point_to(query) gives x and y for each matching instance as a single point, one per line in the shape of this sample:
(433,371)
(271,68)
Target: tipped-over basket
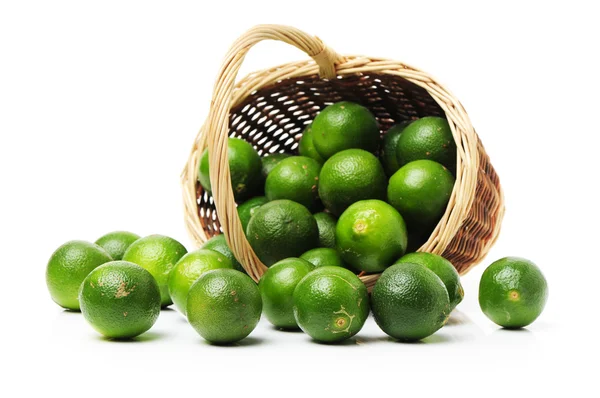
(270,109)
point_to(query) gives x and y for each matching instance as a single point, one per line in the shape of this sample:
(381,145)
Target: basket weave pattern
(270,109)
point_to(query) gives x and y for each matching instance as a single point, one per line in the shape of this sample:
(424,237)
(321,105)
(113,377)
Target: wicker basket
(270,109)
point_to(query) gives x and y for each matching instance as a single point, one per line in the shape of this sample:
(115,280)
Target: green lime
(282,229)
(244,165)
(188,270)
(331,304)
(443,269)
(246,210)
(513,292)
(115,243)
(269,162)
(370,235)
(277,288)
(420,191)
(120,299)
(324,256)
(350,176)
(67,268)
(427,138)
(218,243)
(409,302)
(224,306)
(344,125)
(326,224)
(295,178)
(158,254)
(306,146)
(388,151)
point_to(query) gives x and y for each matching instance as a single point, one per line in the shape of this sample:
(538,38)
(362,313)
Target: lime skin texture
(295,178)
(409,302)
(224,306)
(121,300)
(158,254)
(326,224)
(246,210)
(277,288)
(331,304)
(67,268)
(370,235)
(443,269)
(116,243)
(306,146)
(188,269)
(322,256)
(389,147)
(269,162)
(218,243)
(513,292)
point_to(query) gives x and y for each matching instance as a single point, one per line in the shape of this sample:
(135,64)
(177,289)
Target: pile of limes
(350,203)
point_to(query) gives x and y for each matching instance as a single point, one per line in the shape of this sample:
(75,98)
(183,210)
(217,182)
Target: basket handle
(217,127)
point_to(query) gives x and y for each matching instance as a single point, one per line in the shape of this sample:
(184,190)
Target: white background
(99,106)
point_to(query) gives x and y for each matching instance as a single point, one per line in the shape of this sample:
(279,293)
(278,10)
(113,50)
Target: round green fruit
(158,254)
(350,176)
(324,256)
(115,243)
(513,292)
(306,146)
(331,304)
(269,162)
(344,125)
(67,268)
(390,144)
(277,288)
(120,300)
(282,229)
(218,243)
(295,178)
(224,306)
(409,302)
(246,210)
(370,235)
(188,270)
(326,224)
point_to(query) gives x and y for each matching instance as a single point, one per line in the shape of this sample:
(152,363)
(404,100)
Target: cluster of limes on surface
(350,203)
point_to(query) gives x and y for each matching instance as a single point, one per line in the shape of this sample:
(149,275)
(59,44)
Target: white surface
(100,103)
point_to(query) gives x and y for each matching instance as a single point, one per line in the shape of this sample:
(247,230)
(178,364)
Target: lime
(158,254)
(344,125)
(224,306)
(67,268)
(247,209)
(331,304)
(370,235)
(115,243)
(277,288)
(443,269)
(350,176)
(323,256)
(420,191)
(513,292)
(120,299)
(390,143)
(409,302)
(244,165)
(218,243)
(270,161)
(306,146)
(295,178)
(188,270)
(326,224)
(282,229)
(427,138)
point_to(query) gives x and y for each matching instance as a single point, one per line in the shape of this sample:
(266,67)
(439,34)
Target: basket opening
(273,118)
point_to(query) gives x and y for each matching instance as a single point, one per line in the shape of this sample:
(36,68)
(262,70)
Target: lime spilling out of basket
(513,292)
(120,299)
(224,306)
(344,125)
(277,288)
(409,302)
(331,304)
(116,243)
(67,268)
(158,254)
(295,178)
(282,229)
(188,269)
(218,243)
(245,169)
